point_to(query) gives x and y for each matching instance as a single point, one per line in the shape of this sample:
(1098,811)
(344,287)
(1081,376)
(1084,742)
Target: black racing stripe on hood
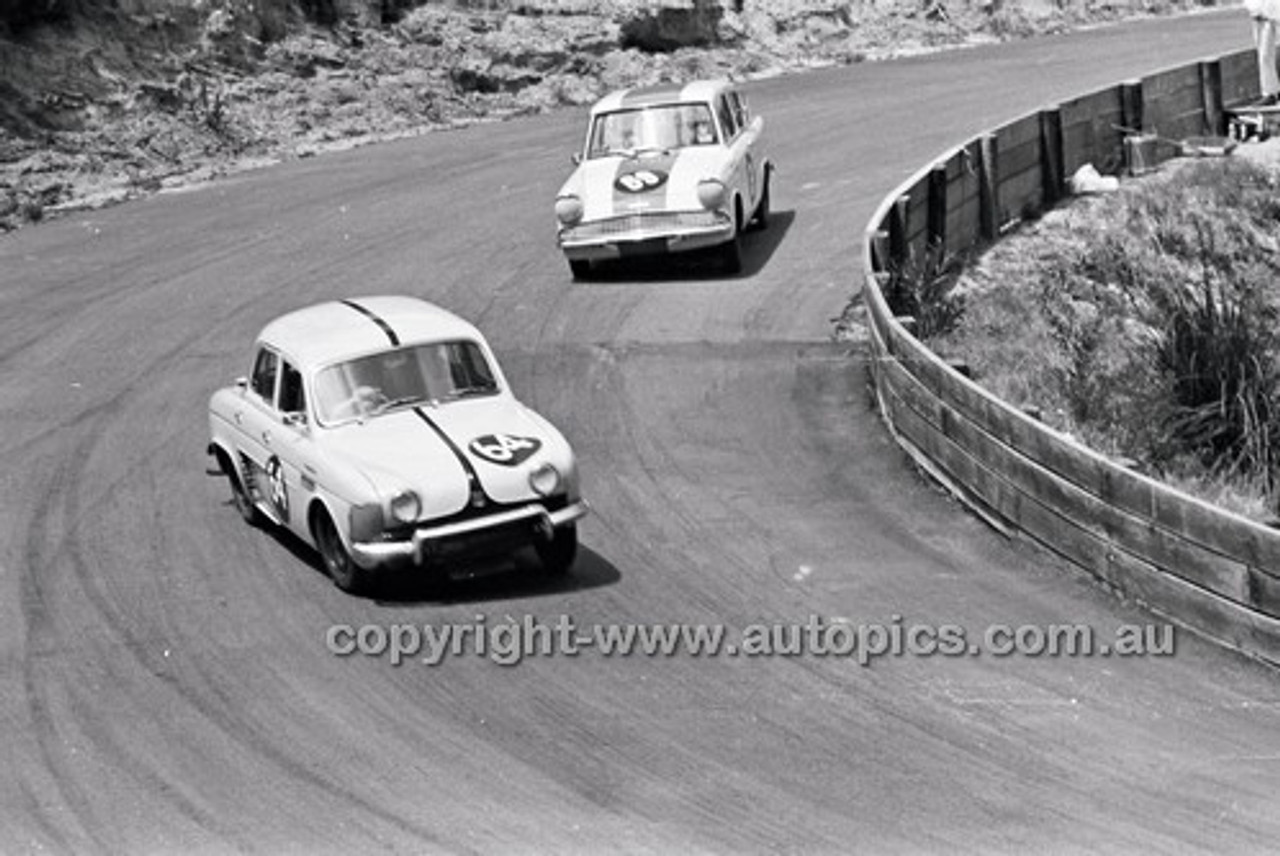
(473,478)
(372,316)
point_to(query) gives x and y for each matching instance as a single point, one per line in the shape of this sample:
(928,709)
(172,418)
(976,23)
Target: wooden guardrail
(1205,567)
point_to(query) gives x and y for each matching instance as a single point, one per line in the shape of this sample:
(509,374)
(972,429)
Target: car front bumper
(644,234)
(419,547)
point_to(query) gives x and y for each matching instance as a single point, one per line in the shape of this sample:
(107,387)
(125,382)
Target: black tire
(239,495)
(580,268)
(338,564)
(761,219)
(731,254)
(558,554)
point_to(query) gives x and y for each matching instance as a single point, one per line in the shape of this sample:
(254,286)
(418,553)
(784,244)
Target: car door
(735,140)
(257,422)
(749,131)
(291,465)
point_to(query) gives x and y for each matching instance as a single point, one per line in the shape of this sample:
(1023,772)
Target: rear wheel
(558,554)
(346,574)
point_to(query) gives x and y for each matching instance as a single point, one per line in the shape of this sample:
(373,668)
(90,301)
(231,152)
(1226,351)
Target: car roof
(342,329)
(662,93)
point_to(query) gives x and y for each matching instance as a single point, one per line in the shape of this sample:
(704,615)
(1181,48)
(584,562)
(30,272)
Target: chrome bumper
(612,239)
(369,554)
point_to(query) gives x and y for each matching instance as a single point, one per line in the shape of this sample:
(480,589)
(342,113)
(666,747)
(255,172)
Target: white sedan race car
(665,169)
(381,432)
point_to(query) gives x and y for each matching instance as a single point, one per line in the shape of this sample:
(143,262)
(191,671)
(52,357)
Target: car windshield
(417,374)
(662,128)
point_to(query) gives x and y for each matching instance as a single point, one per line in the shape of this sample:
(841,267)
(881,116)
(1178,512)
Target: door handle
(266,437)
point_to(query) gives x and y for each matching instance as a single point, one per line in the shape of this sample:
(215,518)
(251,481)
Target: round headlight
(568,210)
(711,194)
(406,506)
(545,479)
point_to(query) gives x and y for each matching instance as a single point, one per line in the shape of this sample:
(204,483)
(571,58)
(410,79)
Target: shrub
(922,288)
(1218,349)
(1148,323)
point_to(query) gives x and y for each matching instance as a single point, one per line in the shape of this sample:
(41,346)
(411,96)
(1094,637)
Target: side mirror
(576,157)
(242,383)
(296,420)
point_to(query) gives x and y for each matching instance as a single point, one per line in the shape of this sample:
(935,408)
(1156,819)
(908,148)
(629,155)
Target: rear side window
(740,114)
(726,118)
(263,381)
(292,398)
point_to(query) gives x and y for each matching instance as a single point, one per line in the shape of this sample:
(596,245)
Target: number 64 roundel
(506,449)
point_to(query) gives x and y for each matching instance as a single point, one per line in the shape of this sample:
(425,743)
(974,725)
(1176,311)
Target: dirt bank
(104,101)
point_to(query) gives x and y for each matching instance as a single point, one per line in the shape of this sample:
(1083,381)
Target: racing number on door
(279,492)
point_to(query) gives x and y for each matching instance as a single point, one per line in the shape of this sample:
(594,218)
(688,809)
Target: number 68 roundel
(506,449)
(640,180)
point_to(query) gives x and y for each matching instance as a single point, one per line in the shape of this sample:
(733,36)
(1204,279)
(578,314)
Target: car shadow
(514,578)
(758,246)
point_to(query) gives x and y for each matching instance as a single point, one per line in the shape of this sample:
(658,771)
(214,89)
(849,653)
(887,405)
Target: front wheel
(344,571)
(558,554)
(761,220)
(731,254)
(239,494)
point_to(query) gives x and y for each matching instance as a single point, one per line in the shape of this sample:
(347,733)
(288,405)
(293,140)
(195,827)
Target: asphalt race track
(165,685)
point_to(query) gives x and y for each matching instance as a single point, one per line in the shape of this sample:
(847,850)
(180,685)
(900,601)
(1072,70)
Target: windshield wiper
(633,153)
(396,402)
(468,392)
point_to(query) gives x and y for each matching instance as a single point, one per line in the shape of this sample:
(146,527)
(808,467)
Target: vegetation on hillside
(104,100)
(1145,324)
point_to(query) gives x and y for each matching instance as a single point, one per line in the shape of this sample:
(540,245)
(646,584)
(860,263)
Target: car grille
(652,221)
(493,541)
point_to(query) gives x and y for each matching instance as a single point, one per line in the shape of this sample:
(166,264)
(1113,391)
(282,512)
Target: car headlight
(711,194)
(544,479)
(406,506)
(568,210)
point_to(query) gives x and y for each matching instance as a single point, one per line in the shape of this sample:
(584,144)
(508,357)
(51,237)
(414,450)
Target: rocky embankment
(104,100)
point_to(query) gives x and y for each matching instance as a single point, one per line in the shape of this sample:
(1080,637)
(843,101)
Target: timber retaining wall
(1207,568)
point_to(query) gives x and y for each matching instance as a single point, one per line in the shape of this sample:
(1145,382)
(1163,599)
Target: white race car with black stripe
(382,432)
(665,169)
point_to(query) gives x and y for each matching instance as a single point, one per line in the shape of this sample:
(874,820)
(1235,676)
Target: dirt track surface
(164,680)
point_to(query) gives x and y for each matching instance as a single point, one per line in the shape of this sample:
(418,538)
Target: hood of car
(503,441)
(437,451)
(651,181)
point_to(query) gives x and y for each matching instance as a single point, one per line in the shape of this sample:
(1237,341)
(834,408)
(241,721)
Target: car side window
(740,113)
(263,381)
(726,118)
(292,398)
